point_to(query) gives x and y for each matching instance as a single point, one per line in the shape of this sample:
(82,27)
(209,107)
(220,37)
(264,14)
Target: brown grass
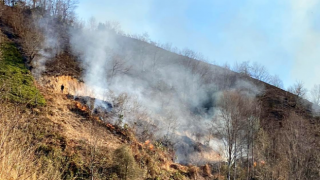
(75,126)
(17,154)
(18,158)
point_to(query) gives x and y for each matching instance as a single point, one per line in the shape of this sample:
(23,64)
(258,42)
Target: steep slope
(174,104)
(69,142)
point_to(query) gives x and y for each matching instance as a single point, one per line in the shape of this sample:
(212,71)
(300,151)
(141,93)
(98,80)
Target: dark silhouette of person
(62,88)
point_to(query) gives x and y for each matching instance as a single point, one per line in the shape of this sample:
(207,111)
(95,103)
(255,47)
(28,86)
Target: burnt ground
(277,104)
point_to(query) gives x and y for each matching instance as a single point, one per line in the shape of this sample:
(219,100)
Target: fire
(151,147)
(261,163)
(146,142)
(81,107)
(110,126)
(97,118)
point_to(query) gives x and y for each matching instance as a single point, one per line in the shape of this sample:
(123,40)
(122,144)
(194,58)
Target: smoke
(49,44)
(305,31)
(95,55)
(169,95)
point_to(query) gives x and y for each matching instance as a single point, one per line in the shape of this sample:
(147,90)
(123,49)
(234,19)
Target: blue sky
(283,35)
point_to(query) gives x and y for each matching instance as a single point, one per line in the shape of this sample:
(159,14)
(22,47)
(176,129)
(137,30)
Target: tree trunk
(235,158)
(252,154)
(248,150)
(229,161)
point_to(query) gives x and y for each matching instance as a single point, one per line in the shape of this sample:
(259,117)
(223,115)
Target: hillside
(69,141)
(132,110)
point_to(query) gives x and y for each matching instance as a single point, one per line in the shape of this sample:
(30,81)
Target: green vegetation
(125,164)
(16,82)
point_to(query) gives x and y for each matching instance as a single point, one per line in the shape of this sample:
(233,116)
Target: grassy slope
(18,141)
(16,82)
(37,143)
(53,140)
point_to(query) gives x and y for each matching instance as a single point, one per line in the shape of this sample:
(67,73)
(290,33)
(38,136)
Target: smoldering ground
(173,95)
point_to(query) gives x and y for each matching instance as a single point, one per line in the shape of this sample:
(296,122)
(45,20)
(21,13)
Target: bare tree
(31,43)
(118,66)
(259,72)
(114,26)
(276,81)
(255,70)
(237,112)
(298,89)
(242,68)
(189,53)
(297,141)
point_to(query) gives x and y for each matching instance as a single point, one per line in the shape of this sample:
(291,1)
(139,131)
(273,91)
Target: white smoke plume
(49,45)
(174,97)
(95,56)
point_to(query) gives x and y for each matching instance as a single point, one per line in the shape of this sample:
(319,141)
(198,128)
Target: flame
(146,142)
(110,126)
(97,118)
(261,163)
(81,107)
(151,147)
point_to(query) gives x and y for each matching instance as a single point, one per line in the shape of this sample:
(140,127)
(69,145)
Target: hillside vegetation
(16,81)
(58,141)
(132,109)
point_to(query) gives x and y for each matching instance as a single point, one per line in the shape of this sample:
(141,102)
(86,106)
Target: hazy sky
(283,35)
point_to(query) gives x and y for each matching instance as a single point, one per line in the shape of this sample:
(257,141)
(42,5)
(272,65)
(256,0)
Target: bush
(177,176)
(125,165)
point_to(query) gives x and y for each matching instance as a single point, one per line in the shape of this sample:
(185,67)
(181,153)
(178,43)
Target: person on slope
(62,88)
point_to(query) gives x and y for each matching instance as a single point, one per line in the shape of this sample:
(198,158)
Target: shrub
(125,165)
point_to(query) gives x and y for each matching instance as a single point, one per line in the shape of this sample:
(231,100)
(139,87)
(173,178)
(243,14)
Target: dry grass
(81,129)
(53,142)
(75,126)
(17,154)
